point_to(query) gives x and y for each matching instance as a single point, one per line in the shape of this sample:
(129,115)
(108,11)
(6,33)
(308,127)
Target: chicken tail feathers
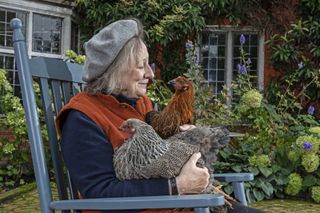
(150,116)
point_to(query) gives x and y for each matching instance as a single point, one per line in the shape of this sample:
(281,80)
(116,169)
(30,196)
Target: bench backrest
(58,81)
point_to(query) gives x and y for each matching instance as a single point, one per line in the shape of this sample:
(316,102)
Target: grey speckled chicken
(209,140)
(146,155)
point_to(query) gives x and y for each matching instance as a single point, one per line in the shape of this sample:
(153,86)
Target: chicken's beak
(172,82)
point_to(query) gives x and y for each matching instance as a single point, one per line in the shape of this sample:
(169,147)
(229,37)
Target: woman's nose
(148,72)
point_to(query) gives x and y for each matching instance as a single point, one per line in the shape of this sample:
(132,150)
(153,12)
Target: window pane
(10,15)
(212,75)
(205,38)
(221,51)
(1,61)
(220,75)
(2,28)
(221,63)
(2,40)
(7,62)
(212,55)
(2,15)
(212,63)
(213,40)
(205,63)
(46,35)
(5,30)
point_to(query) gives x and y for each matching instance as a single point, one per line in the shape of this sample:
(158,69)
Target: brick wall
(5,133)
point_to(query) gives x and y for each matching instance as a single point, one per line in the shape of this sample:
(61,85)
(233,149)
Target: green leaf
(258,194)
(225,155)
(253,170)
(250,196)
(281,180)
(267,188)
(265,171)
(237,168)
(228,189)
(309,180)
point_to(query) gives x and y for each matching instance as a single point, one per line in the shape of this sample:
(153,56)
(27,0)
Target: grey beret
(103,48)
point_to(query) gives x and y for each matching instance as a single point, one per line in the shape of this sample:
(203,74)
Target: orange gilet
(108,113)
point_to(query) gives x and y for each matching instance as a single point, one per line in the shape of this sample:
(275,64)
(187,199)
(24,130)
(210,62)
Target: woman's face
(136,81)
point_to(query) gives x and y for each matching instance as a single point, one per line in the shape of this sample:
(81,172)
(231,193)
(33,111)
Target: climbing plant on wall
(169,24)
(295,55)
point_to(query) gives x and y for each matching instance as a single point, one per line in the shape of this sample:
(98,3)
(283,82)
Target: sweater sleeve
(88,154)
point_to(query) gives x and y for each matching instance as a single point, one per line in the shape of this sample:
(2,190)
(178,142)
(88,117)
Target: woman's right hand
(192,179)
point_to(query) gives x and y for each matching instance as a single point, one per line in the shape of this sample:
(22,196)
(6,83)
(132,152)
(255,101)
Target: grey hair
(111,82)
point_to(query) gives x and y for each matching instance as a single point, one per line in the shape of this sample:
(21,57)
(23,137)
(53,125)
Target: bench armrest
(237,180)
(147,202)
(233,177)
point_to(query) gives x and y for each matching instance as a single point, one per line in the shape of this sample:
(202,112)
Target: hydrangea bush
(280,144)
(294,184)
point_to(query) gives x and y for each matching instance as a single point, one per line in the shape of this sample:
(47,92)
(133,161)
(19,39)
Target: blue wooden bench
(59,81)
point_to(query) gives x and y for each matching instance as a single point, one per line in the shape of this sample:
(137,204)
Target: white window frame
(229,31)
(44,9)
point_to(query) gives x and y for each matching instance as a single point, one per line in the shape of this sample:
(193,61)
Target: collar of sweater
(124,99)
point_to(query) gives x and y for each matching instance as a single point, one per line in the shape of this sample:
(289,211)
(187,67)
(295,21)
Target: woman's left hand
(186,127)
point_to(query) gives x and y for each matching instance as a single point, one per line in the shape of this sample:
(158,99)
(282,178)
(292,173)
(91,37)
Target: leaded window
(5,31)
(46,34)
(220,56)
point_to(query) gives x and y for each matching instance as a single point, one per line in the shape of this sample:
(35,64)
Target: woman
(117,73)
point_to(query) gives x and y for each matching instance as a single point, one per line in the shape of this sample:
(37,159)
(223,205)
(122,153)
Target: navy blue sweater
(88,153)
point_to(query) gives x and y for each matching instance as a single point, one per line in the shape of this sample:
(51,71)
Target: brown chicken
(179,110)
(146,155)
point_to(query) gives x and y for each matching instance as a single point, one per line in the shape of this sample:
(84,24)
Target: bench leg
(238,188)
(201,210)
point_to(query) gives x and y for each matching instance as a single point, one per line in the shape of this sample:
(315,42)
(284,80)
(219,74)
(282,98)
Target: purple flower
(153,67)
(311,110)
(242,39)
(243,69)
(249,61)
(189,45)
(307,145)
(300,65)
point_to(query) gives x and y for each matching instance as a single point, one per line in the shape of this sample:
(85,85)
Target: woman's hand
(192,179)
(186,127)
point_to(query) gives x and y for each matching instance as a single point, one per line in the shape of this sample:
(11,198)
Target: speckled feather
(209,140)
(147,155)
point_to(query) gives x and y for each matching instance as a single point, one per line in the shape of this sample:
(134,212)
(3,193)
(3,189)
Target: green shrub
(294,184)
(310,162)
(293,156)
(15,151)
(261,161)
(251,99)
(74,57)
(315,193)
